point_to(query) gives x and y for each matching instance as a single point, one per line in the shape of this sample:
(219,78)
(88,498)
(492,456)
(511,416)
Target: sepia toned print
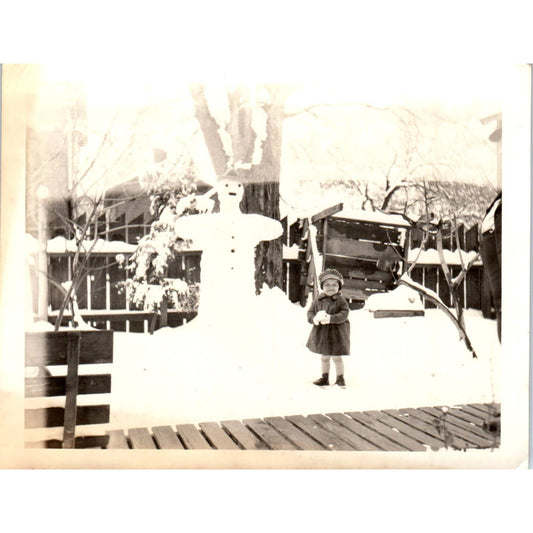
(173,249)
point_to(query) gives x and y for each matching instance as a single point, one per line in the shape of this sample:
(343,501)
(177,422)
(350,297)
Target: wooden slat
(71,389)
(451,429)
(55,385)
(378,275)
(352,229)
(218,438)
(243,435)
(452,419)
(117,440)
(483,415)
(90,441)
(367,433)
(355,294)
(406,429)
(362,284)
(327,439)
(166,438)
(120,315)
(46,348)
(269,434)
(363,250)
(141,439)
(192,438)
(466,416)
(327,212)
(300,439)
(487,408)
(354,440)
(473,411)
(426,428)
(348,265)
(403,440)
(54,416)
(397,313)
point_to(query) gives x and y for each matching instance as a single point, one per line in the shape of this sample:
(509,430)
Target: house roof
(390,219)
(133,188)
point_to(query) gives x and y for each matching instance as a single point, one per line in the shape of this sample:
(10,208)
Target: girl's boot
(321,382)
(340,381)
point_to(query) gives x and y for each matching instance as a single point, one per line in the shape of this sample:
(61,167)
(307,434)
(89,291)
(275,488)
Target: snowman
(228,240)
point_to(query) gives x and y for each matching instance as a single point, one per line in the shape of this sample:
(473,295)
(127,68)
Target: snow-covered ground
(259,366)
(179,376)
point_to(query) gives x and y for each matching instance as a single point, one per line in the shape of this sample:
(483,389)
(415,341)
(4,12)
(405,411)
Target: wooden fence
(473,292)
(101,300)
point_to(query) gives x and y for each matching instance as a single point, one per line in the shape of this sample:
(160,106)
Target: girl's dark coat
(333,338)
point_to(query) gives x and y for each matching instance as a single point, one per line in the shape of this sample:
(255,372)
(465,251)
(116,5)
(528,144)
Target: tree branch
(209,127)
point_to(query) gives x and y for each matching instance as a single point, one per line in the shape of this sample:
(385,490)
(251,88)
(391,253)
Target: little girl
(330,336)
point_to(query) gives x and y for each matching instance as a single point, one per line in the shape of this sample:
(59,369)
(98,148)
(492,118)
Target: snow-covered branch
(433,297)
(210,129)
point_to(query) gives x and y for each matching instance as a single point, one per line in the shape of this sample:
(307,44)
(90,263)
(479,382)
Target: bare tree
(253,136)
(78,202)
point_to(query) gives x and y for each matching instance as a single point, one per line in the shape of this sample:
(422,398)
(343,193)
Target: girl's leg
(324,380)
(339,364)
(339,369)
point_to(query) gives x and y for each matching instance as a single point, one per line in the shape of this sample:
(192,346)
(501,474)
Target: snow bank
(60,245)
(431,257)
(262,367)
(400,299)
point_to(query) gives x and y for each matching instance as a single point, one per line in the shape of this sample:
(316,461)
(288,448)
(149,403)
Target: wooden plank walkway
(458,427)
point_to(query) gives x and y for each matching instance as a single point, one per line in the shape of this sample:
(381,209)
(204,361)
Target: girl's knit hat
(330,273)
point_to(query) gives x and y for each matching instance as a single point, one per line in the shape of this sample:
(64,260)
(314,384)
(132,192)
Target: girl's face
(330,287)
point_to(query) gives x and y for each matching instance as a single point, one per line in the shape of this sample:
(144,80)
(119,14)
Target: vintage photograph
(213,267)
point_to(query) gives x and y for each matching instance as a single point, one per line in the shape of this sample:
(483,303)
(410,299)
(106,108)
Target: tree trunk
(257,163)
(263,198)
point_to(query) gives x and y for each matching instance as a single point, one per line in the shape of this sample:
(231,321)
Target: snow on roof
(374,216)
(378,217)
(431,256)
(60,245)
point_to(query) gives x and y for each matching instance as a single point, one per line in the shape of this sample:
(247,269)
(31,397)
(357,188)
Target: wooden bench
(456,427)
(70,348)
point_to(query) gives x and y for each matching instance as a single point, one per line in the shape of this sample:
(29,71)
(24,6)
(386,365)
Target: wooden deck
(459,427)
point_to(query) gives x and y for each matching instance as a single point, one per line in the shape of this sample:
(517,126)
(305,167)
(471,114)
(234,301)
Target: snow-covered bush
(172,195)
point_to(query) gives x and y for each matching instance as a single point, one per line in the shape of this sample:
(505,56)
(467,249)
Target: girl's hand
(326,319)
(321,315)
(316,321)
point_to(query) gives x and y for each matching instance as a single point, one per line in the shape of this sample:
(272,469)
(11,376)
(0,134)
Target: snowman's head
(230,192)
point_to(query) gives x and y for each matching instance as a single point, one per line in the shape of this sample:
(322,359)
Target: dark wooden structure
(369,250)
(457,427)
(473,291)
(133,321)
(69,348)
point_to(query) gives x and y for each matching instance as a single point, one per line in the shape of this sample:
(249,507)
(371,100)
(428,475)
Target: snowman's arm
(270,229)
(192,227)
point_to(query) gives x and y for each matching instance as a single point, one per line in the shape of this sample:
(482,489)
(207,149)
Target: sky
(375,83)
(451,86)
